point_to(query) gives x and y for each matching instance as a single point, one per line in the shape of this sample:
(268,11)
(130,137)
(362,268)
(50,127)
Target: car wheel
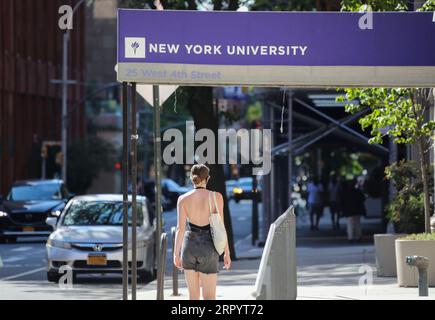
(11,239)
(145,276)
(53,276)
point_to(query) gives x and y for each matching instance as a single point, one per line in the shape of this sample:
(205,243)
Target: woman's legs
(350,228)
(192,279)
(333,211)
(208,282)
(358,231)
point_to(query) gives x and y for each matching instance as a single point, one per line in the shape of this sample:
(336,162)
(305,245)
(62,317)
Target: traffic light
(44,151)
(59,158)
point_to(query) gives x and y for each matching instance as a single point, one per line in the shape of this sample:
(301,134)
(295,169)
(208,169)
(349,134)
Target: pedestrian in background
(334,201)
(354,209)
(315,202)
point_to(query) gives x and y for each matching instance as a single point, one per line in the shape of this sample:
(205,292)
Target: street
(23,274)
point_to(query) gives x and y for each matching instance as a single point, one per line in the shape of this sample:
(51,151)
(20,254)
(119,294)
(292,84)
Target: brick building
(30,106)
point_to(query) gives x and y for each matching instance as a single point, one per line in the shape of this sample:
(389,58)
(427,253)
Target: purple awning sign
(317,49)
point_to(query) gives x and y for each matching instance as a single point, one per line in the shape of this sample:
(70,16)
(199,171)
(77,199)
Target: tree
(283,5)
(375,5)
(397,112)
(199,101)
(406,209)
(86,159)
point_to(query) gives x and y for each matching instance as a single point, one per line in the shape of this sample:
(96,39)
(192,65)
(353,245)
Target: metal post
(43,168)
(422,264)
(254,211)
(273,200)
(266,179)
(65,83)
(157,166)
(64,104)
(161,271)
(174,268)
(125,191)
(134,138)
(145,140)
(290,151)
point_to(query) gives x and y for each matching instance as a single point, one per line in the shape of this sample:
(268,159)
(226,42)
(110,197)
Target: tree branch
(217,5)
(191,5)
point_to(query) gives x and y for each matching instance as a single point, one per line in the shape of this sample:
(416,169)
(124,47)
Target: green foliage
(406,209)
(394,113)
(428,6)
(254,112)
(283,5)
(185,4)
(398,113)
(376,5)
(86,159)
(420,236)
(383,5)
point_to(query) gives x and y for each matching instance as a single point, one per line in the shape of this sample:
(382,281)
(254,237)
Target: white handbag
(217,227)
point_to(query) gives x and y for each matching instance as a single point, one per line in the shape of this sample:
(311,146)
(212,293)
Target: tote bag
(217,227)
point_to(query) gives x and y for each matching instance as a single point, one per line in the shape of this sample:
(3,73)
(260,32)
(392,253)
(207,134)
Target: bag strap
(215,203)
(209,203)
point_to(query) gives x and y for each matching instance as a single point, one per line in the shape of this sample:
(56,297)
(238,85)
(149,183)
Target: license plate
(97,260)
(28,229)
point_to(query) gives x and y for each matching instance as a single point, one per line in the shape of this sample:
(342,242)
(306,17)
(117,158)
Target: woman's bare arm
(181,227)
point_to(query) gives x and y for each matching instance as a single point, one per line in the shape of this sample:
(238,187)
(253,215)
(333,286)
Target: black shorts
(198,252)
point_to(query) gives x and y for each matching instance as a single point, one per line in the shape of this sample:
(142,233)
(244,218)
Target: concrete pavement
(23,273)
(329,268)
(234,284)
(324,273)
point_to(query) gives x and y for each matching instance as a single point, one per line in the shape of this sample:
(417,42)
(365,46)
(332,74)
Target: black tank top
(194,227)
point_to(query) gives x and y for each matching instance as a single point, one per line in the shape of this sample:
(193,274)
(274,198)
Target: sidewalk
(329,268)
(234,284)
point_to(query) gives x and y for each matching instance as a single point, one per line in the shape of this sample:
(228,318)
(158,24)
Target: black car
(170,192)
(28,204)
(173,190)
(245,190)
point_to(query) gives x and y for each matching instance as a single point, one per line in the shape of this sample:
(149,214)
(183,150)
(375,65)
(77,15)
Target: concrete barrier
(277,275)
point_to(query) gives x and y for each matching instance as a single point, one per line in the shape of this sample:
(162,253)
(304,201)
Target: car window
(28,192)
(246,183)
(99,213)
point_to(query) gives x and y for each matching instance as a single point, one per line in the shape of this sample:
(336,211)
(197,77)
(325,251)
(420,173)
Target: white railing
(276,279)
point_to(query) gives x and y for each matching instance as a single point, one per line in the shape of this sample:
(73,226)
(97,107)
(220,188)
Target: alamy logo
(135,48)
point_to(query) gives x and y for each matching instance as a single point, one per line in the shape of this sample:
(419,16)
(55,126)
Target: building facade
(30,104)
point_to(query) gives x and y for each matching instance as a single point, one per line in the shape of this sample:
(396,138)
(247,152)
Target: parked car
(88,237)
(173,190)
(170,192)
(28,204)
(245,190)
(149,192)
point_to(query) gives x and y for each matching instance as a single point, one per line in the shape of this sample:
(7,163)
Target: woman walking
(194,249)
(315,202)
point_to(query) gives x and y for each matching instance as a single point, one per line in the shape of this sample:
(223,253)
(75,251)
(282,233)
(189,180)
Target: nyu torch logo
(135,48)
